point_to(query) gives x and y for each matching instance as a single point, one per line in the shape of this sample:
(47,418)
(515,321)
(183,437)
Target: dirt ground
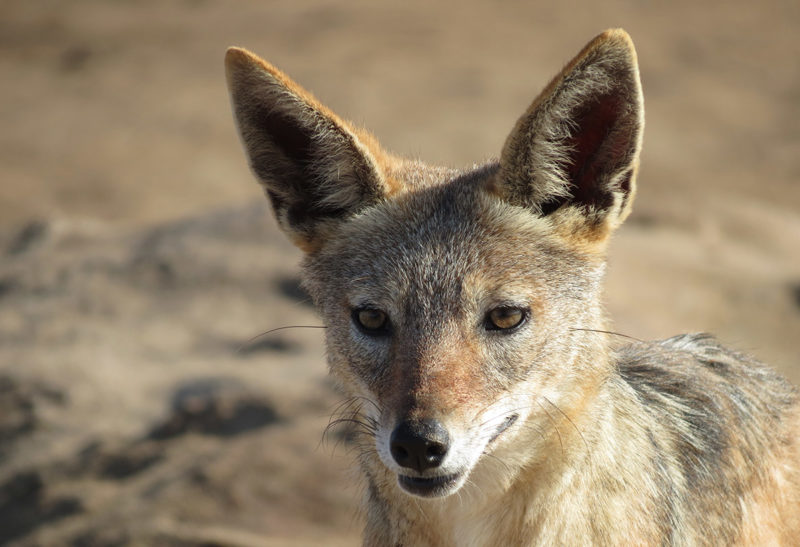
(137,258)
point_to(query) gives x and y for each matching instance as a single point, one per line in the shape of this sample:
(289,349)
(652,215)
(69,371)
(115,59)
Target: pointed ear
(315,169)
(573,155)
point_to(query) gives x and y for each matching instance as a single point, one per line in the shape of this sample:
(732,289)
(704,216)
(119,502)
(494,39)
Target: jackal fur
(463,314)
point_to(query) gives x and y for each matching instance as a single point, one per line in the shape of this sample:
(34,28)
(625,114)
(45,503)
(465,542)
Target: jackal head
(463,305)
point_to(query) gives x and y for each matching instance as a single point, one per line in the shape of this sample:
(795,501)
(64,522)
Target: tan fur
(545,431)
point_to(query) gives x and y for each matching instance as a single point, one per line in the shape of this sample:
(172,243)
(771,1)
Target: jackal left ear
(316,169)
(574,153)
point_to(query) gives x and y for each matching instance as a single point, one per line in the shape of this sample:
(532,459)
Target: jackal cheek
(362,358)
(357,375)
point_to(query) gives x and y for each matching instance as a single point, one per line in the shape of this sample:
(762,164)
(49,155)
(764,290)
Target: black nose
(419,445)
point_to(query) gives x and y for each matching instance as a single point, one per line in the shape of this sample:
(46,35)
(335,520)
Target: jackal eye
(505,318)
(371,321)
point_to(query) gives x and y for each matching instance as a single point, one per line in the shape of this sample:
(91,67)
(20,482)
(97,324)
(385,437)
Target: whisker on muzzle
(348,413)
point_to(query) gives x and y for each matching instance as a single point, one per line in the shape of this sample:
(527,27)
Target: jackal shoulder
(698,373)
(721,434)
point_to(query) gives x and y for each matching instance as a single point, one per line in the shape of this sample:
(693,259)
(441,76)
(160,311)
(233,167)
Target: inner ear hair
(578,143)
(315,168)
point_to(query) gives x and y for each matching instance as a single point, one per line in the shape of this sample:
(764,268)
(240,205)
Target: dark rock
(8,285)
(24,505)
(291,288)
(75,58)
(31,235)
(214,407)
(17,412)
(117,464)
(794,290)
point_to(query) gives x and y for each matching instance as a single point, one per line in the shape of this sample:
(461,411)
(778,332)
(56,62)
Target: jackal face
(459,305)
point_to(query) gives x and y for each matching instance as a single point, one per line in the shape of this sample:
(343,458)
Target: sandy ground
(137,259)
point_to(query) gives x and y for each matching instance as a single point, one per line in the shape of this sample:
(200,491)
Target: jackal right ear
(573,155)
(315,168)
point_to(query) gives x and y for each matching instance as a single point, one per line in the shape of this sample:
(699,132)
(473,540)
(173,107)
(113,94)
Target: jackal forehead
(446,245)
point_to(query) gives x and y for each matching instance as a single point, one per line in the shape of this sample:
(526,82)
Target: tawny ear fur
(315,168)
(573,155)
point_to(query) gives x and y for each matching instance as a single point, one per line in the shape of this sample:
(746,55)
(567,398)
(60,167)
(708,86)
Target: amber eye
(505,318)
(370,320)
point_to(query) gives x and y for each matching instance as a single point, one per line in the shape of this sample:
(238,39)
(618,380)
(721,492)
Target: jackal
(463,313)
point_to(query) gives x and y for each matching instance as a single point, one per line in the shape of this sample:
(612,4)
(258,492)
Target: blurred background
(138,261)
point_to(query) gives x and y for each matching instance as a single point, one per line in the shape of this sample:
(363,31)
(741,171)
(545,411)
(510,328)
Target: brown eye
(370,320)
(505,318)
